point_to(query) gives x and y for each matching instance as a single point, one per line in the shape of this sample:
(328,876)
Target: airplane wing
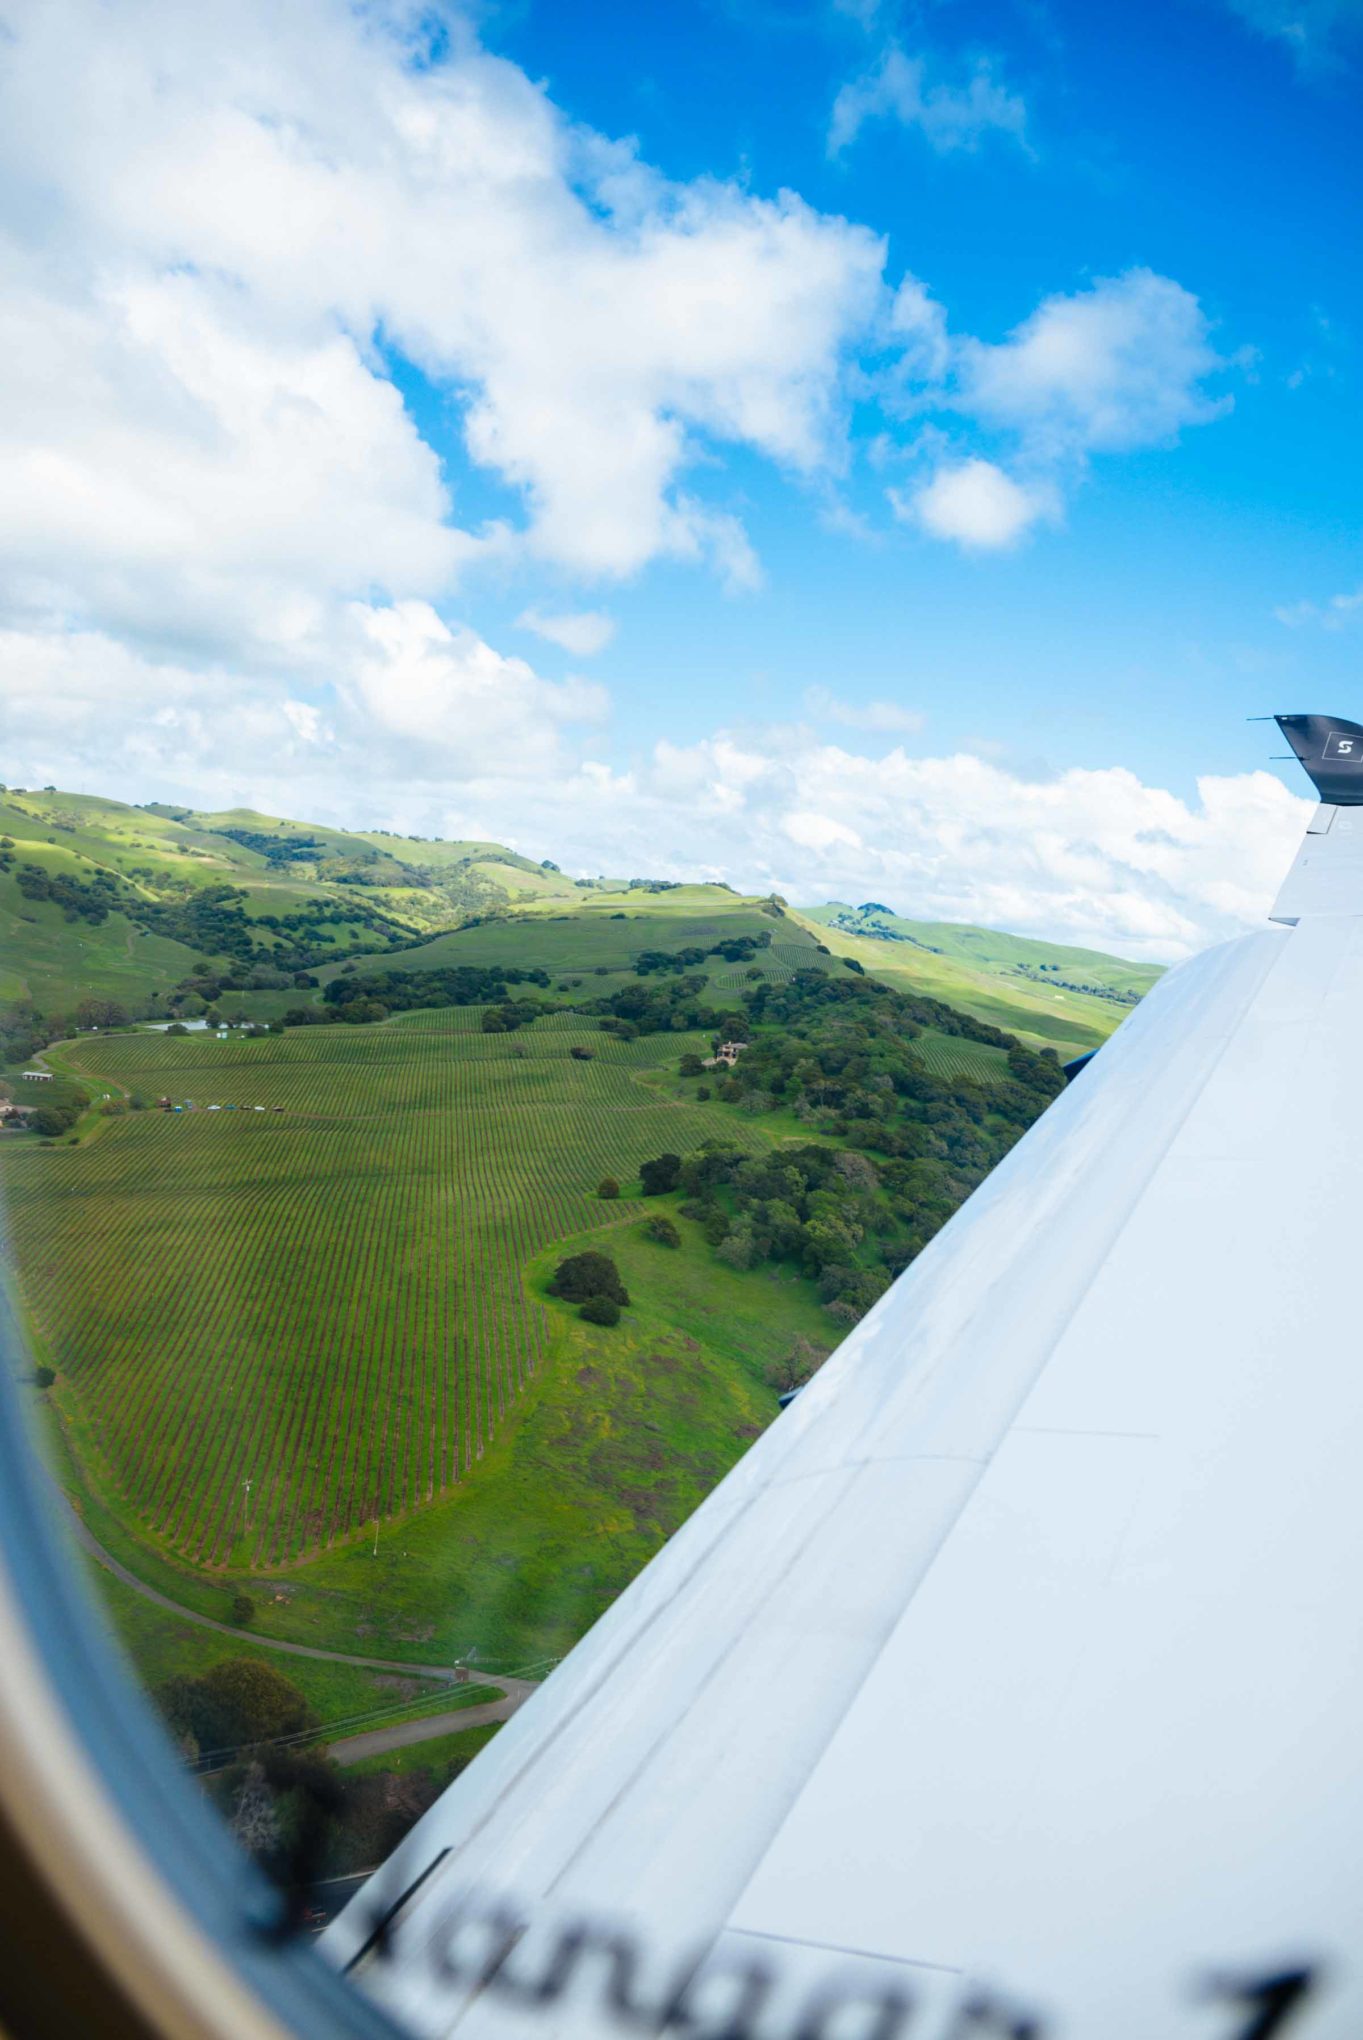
(1012,1684)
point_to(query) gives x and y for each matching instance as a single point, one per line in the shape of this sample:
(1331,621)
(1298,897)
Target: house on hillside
(726,1055)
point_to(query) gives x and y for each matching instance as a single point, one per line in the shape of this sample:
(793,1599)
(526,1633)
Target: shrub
(177,1027)
(587,1275)
(608,1187)
(663,1231)
(580,1054)
(660,1175)
(54,1120)
(703,1093)
(599,1310)
(236,1703)
(243,1608)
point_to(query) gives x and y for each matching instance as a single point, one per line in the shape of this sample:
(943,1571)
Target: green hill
(1042,991)
(167,910)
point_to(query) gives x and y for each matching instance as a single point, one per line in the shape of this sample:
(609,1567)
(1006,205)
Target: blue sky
(852,448)
(1175,138)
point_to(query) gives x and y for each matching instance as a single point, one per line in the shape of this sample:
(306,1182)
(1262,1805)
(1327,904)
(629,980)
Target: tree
(53,1120)
(101,1013)
(608,1187)
(236,1703)
(660,1175)
(177,1027)
(691,1065)
(243,1608)
(663,1231)
(588,1275)
(794,1367)
(600,1310)
(44,1376)
(580,1054)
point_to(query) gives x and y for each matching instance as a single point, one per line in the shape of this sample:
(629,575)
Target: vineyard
(310,1277)
(948,1056)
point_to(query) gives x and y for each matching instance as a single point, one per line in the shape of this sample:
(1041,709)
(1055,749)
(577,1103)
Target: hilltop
(109,910)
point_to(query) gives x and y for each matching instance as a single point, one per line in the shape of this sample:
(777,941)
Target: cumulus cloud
(411,703)
(975,504)
(948,116)
(1089,856)
(218,227)
(1118,366)
(583,632)
(224,227)
(439,734)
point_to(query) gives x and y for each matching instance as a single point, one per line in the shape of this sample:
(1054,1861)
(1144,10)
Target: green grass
(588,937)
(441,1759)
(326,1299)
(1041,1014)
(376,1255)
(160,1647)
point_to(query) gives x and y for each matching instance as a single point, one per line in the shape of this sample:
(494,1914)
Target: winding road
(350,1749)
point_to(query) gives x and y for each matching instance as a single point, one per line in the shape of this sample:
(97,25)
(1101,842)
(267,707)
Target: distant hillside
(1073,997)
(172,911)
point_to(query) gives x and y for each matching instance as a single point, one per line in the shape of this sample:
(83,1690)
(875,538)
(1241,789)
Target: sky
(857,449)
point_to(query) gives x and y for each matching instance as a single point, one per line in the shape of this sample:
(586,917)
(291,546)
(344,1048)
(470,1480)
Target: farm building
(37,1076)
(726,1055)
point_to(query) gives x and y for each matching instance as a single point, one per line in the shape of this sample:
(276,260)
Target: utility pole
(246,1508)
(375,1552)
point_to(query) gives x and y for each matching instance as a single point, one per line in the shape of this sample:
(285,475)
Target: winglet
(1330,752)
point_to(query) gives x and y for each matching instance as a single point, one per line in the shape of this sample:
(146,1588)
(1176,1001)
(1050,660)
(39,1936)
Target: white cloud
(1316,32)
(884,718)
(212,219)
(1332,614)
(976,505)
(582,632)
(1118,366)
(449,704)
(411,704)
(440,734)
(949,117)
(919,325)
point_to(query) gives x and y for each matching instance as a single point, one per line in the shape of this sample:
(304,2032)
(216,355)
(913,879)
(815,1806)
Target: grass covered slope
(1050,996)
(324,1296)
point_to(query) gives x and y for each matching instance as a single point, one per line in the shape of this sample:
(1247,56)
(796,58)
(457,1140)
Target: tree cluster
(456,984)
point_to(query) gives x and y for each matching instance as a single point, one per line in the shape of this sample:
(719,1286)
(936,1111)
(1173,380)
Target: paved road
(377,1742)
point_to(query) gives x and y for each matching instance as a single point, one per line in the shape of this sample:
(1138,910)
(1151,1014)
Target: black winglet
(1330,751)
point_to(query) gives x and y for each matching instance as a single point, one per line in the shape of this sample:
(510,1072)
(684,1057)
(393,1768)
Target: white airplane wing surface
(1013,1683)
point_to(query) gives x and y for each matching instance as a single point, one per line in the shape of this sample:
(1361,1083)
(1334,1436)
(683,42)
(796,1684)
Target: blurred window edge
(128,1908)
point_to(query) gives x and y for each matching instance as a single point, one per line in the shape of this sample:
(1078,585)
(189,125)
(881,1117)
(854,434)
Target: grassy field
(313,1280)
(1041,1014)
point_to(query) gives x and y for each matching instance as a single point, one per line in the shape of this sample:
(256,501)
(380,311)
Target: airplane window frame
(129,1908)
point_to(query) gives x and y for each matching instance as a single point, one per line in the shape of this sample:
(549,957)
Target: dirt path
(87,1541)
(377,1742)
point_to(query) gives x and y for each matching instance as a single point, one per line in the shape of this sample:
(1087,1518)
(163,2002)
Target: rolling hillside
(166,909)
(326,1273)
(1041,991)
